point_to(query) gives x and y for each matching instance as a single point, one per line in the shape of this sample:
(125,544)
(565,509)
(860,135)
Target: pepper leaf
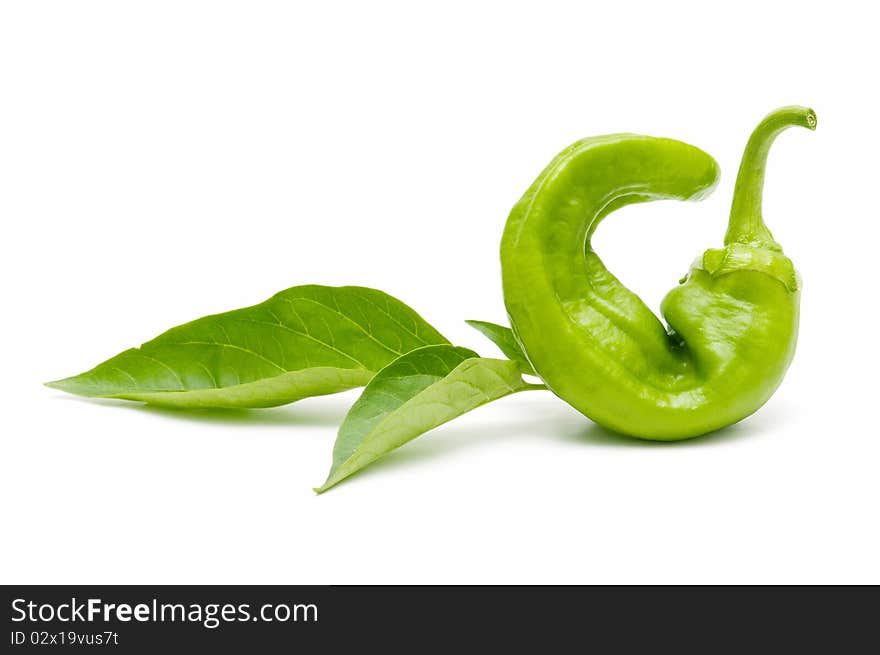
(306,341)
(416,393)
(504,338)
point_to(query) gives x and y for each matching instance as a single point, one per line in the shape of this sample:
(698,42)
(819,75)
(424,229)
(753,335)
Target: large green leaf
(505,340)
(416,393)
(305,341)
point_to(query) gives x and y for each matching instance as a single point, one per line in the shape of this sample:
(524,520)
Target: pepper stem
(746,222)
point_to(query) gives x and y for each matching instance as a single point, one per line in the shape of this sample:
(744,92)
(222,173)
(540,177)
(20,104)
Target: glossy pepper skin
(732,321)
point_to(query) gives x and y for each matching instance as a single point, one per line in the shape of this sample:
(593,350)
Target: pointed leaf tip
(504,338)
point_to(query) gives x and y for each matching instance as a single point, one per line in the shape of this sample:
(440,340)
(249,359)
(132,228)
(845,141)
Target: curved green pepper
(733,319)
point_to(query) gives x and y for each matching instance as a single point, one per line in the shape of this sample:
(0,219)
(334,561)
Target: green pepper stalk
(732,321)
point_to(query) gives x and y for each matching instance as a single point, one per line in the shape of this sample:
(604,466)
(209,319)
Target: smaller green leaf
(505,340)
(415,393)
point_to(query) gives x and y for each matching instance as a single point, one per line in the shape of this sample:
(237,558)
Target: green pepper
(732,321)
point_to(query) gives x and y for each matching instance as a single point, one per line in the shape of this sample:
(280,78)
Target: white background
(164,160)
